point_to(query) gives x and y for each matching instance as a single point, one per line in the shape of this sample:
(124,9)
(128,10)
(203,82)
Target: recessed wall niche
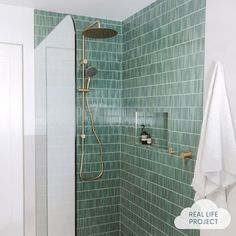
(155,124)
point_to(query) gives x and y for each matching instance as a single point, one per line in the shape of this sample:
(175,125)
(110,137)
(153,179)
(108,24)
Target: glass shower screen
(55,131)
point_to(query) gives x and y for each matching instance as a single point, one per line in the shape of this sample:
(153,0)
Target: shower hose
(83,146)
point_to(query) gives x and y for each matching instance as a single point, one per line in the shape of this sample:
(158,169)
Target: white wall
(17,27)
(221,45)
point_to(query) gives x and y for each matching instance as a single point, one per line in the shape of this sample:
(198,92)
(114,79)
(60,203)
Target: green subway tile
(163,58)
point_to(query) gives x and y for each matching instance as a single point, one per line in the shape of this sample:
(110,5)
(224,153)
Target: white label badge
(204,214)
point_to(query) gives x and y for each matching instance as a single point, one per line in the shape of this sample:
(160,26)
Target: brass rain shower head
(99,33)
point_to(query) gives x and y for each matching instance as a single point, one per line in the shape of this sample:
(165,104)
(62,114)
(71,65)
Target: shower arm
(97,22)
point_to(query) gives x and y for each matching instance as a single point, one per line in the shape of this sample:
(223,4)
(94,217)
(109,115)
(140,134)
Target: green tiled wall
(98,202)
(163,58)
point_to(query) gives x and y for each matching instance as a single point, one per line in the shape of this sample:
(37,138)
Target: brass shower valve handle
(171,151)
(186,154)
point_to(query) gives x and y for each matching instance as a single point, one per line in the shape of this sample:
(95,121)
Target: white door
(11,141)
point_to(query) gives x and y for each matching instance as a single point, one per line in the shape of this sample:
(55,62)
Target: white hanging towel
(215,168)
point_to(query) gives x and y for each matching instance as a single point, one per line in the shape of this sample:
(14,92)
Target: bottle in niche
(149,140)
(144,135)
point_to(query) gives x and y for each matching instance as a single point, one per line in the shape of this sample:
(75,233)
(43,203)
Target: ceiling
(107,9)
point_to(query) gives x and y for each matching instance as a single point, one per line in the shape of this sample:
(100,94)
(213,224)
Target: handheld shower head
(91,71)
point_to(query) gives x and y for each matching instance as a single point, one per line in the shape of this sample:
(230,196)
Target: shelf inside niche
(156,124)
